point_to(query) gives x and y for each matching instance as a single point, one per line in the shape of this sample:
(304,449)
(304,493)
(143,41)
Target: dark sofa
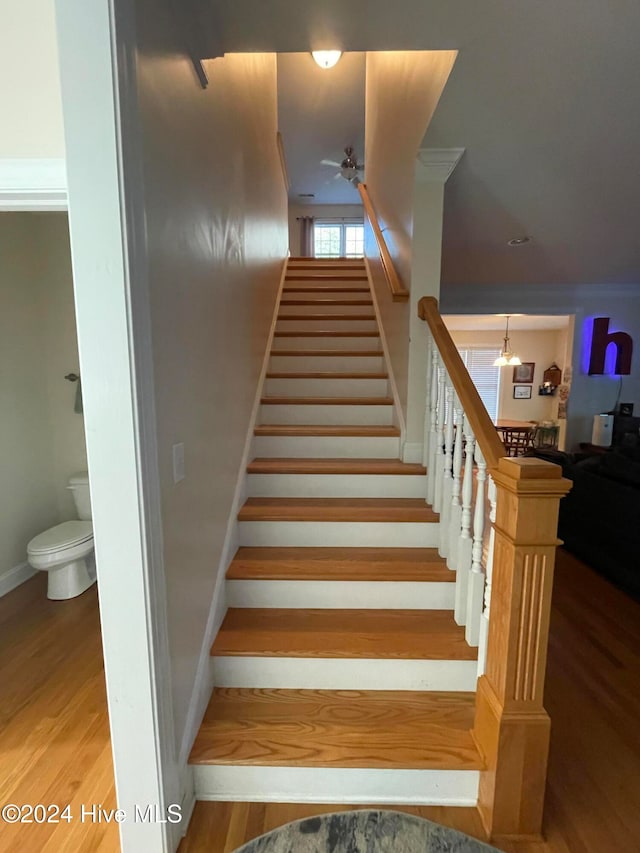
(600,517)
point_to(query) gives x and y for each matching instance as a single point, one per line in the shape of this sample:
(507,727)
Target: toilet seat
(69,534)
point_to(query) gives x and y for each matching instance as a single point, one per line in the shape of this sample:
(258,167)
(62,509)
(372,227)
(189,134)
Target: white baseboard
(11,578)
(188,802)
(33,184)
(412,452)
(203,684)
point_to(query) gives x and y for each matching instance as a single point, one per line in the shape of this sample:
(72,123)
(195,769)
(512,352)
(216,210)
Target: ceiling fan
(349,167)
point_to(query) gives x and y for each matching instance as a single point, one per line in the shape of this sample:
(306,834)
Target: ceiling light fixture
(326,58)
(506,357)
(519,241)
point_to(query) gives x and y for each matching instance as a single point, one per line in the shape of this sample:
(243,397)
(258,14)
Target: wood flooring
(593,697)
(54,739)
(54,729)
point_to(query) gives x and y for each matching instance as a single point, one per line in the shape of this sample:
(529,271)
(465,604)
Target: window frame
(493,352)
(342,224)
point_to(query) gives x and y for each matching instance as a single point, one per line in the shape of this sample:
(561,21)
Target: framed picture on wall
(522,392)
(524,372)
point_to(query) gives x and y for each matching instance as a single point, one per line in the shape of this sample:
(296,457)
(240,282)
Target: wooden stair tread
(339,353)
(327,401)
(326,333)
(326,374)
(320,275)
(338,728)
(321,302)
(371,317)
(338,509)
(334,466)
(326,288)
(361,634)
(346,430)
(340,564)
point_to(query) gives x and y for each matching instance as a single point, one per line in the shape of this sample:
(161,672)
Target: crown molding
(33,184)
(437,164)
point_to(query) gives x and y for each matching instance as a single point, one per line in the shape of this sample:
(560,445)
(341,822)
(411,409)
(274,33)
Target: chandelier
(506,356)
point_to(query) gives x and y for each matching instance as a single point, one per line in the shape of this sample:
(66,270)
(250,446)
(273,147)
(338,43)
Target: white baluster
(475,592)
(484,624)
(427,403)
(463,569)
(439,456)
(455,512)
(433,414)
(447,476)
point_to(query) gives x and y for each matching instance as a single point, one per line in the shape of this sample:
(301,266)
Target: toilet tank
(79,486)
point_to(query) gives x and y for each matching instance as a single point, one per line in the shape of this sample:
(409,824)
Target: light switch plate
(178,462)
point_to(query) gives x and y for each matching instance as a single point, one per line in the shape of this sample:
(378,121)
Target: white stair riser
(325,414)
(323,447)
(287,673)
(284,325)
(336,486)
(328,363)
(246,784)
(336,534)
(326,343)
(356,595)
(274,387)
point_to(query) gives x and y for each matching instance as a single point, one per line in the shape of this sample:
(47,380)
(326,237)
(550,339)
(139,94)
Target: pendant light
(506,357)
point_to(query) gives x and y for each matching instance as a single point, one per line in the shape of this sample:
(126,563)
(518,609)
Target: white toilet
(66,550)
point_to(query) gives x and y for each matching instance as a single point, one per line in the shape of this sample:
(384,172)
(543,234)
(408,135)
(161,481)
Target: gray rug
(365,832)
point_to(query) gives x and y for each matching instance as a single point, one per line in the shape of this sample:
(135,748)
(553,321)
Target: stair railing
(399,293)
(498,532)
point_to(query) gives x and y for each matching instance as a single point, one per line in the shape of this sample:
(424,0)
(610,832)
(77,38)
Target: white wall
(319,211)
(403,90)
(179,233)
(589,394)
(29,84)
(540,347)
(216,219)
(41,436)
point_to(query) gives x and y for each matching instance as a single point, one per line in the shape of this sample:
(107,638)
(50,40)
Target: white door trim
(109,256)
(33,184)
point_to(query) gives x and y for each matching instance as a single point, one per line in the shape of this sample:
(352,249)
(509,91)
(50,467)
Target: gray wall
(216,215)
(42,438)
(589,394)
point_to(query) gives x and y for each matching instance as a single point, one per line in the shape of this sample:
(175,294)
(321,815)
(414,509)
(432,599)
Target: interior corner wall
(216,221)
(318,211)
(589,395)
(29,84)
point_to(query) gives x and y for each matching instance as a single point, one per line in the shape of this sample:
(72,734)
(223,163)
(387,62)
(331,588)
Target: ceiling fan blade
(330,163)
(337,175)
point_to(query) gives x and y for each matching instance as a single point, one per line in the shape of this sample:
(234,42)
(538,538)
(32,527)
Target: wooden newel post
(511,725)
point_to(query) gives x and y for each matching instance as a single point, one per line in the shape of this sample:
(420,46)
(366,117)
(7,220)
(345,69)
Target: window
(486,377)
(339,239)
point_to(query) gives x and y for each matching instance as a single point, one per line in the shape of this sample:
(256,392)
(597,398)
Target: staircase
(340,674)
